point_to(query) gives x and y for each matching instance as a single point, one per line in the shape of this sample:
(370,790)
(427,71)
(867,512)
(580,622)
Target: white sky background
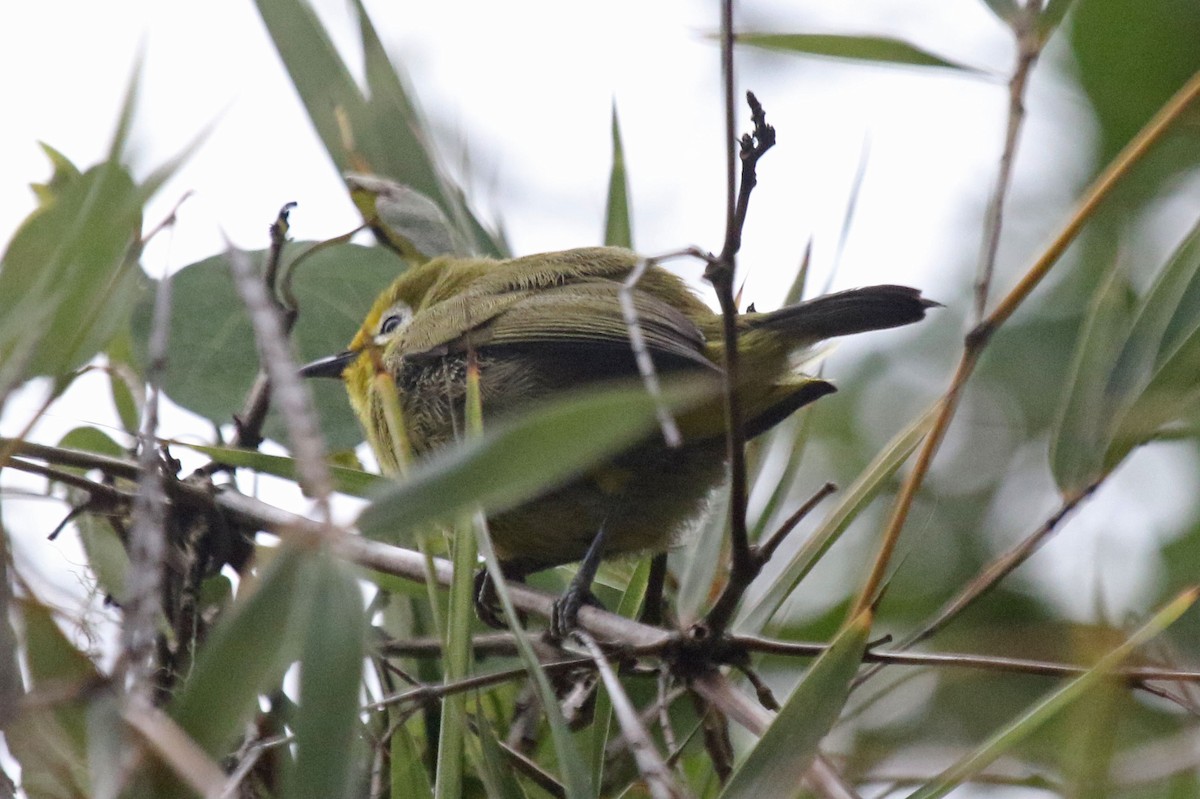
(533,84)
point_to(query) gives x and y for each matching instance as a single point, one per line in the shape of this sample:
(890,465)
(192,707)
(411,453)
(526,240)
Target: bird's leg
(652,606)
(579,592)
(486,600)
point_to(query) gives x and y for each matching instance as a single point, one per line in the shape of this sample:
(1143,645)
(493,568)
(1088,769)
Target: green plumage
(553,322)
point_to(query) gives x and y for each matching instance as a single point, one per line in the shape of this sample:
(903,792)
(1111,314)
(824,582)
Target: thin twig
(976,341)
(430,692)
(645,364)
(1029,47)
(174,747)
(295,403)
(147,533)
(766,549)
(720,272)
(654,770)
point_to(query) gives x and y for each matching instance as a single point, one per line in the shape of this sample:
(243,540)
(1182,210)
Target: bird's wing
(585,314)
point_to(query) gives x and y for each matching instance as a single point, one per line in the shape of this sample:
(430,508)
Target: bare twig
(294,401)
(977,340)
(766,549)
(1029,46)
(147,533)
(720,272)
(637,341)
(653,768)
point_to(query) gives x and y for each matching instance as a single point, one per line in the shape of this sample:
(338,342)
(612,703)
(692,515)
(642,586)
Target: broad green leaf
(247,653)
(354,482)
(871,49)
(106,553)
(1003,740)
(68,281)
(92,439)
(331,670)
(778,762)
(516,460)
(212,360)
(618,226)
(1079,438)
(1130,56)
(754,618)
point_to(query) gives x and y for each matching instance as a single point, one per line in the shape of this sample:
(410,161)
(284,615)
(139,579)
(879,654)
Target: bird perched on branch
(545,324)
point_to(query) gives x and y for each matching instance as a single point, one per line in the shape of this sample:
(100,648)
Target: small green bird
(548,323)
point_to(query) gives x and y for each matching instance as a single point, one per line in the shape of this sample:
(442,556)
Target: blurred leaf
(128,391)
(855,499)
(1052,16)
(211,357)
(105,552)
(331,668)
(68,279)
(871,49)
(516,460)
(697,564)
(92,439)
(618,227)
(1006,10)
(64,174)
(50,740)
(384,134)
(247,653)
(497,774)
(1131,56)
(1163,354)
(1079,438)
(404,219)
(778,762)
(105,740)
(1135,370)
(1020,728)
(354,482)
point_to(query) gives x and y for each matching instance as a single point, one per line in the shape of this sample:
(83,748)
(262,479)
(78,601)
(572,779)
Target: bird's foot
(565,617)
(487,602)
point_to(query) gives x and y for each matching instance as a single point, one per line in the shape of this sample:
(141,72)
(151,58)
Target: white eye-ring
(396,318)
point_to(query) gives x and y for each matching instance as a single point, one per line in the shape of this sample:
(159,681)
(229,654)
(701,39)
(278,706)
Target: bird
(541,325)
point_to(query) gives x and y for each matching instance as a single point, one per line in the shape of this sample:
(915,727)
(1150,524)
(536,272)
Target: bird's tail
(843,313)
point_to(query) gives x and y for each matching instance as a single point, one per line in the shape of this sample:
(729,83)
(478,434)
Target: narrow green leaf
(1079,438)
(871,49)
(1052,16)
(497,774)
(618,226)
(319,76)
(516,460)
(576,778)
(1154,380)
(778,762)
(247,653)
(698,563)
(1037,715)
(754,618)
(331,669)
(354,482)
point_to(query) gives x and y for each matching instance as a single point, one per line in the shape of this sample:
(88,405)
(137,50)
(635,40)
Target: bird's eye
(391,323)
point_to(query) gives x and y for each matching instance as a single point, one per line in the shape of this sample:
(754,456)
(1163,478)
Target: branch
(976,341)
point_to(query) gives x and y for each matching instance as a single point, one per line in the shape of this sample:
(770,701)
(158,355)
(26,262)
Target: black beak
(330,365)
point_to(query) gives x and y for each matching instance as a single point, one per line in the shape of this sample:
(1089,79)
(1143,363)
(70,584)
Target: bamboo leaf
(869,49)
(778,762)
(618,227)
(514,461)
